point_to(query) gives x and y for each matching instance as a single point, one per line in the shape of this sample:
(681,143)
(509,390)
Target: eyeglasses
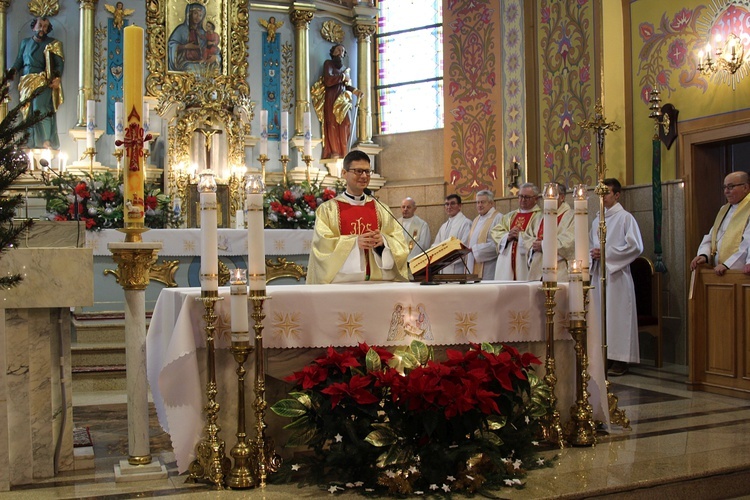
(450,203)
(729,187)
(360,172)
(525,197)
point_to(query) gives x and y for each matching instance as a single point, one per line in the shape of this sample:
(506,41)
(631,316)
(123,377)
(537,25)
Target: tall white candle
(285,133)
(90,123)
(209,234)
(31,159)
(549,241)
(256,259)
(264,132)
(575,291)
(119,124)
(238,306)
(307,150)
(581,229)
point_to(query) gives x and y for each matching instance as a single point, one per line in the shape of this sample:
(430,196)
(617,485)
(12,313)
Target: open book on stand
(441,255)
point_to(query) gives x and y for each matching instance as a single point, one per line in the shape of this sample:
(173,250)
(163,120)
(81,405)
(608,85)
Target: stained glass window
(410,65)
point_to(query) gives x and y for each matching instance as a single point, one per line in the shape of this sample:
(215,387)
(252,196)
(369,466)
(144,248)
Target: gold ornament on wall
(44,8)
(271,26)
(332,31)
(119,13)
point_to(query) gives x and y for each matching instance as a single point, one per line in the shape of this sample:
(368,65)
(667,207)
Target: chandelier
(727,62)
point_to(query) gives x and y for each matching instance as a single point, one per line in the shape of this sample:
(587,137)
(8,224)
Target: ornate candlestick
(91,154)
(118,153)
(284,162)
(241,475)
(307,159)
(551,427)
(263,159)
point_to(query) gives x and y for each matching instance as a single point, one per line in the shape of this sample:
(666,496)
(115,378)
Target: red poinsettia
(82,191)
(309,377)
(151,202)
(108,195)
(340,360)
(355,389)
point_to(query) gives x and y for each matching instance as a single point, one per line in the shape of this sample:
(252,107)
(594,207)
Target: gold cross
(601,127)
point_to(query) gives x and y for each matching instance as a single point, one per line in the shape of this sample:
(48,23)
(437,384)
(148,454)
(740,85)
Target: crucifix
(208,134)
(600,126)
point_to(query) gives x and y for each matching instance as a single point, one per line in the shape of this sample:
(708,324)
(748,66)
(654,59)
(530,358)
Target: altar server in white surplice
(624,245)
(483,257)
(565,241)
(414,226)
(457,225)
(515,234)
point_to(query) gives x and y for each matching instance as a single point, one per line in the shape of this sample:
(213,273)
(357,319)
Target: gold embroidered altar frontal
(378,313)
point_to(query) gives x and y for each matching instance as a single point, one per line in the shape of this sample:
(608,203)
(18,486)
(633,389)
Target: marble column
(301,15)
(134,260)
(364,28)
(85,57)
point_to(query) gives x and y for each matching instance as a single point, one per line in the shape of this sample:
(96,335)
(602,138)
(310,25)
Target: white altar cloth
(182,242)
(378,313)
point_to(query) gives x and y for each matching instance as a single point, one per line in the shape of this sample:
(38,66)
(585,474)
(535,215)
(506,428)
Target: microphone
(426,280)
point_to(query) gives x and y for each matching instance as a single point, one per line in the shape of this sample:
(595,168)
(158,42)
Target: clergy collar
(354,197)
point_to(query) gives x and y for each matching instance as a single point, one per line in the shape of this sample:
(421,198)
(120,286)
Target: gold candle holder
(211,463)
(267,460)
(263,159)
(551,427)
(90,153)
(307,159)
(582,429)
(284,163)
(118,153)
(241,475)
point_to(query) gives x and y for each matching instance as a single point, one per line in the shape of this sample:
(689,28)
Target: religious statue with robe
(40,63)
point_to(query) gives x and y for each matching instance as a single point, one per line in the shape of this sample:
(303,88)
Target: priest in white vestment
(624,244)
(457,225)
(565,241)
(483,257)
(727,244)
(415,227)
(356,238)
(515,235)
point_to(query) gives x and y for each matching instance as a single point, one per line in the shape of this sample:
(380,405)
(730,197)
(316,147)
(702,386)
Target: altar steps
(98,353)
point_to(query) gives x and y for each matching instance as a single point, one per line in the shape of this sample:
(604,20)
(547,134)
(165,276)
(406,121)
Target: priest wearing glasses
(356,238)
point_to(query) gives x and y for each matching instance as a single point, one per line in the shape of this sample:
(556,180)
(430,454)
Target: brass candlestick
(118,153)
(551,426)
(307,159)
(91,154)
(582,430)
(241,475)
(211,464)
(267,459)
(284,162)
(263,159)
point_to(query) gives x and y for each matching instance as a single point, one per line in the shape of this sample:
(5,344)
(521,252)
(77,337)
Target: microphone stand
(427,276)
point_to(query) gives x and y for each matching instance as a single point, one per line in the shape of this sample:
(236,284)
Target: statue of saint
(40,63)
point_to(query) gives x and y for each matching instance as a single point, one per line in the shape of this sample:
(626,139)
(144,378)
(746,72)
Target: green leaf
(408,360)
(289,408)
(303,398)
(496,422)
(395,455)
(381,437)
(421,351)
(372,361)
(302,437)
(300,422)
(487,347)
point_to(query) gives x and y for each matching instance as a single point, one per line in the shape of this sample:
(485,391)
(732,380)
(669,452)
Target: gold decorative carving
(133,267)
(4,4)
(119,13)
(363,32)
(44,8)
(287,76)
(301,18)
(283,269)
(223,274)
(87,4)
(164,272)
(100,61)
(332,31)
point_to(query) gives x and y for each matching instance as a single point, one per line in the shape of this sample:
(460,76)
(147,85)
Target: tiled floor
(682,445)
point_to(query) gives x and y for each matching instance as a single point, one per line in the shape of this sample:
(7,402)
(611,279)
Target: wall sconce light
(727,60)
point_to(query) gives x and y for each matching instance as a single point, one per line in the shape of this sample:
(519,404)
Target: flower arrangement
(400,423)
(293,207)
(98,199)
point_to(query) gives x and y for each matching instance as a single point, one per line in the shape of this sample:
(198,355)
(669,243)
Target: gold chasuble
(338,223)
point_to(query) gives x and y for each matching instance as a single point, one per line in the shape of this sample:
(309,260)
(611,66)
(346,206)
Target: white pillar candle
(285,133)
(307,150)
(239,219)
(31,159)
(119,125)
(256,259)
(238,306)
(549,241)
(64,160)
(575,291)
(209,234)
(264,132)
(581,229)
(90,124)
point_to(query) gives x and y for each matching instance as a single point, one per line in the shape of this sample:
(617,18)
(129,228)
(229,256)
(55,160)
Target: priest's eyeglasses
(360,172)
(729,187)
(526,197)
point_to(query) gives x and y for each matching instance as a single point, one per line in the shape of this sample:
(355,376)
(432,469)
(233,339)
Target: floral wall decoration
(514,90)
(470,31)
(568,93)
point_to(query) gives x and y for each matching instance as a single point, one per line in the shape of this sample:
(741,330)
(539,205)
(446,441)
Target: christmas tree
(14,132)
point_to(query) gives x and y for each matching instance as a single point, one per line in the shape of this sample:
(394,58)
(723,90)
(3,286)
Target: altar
(302,319)
(178,263)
